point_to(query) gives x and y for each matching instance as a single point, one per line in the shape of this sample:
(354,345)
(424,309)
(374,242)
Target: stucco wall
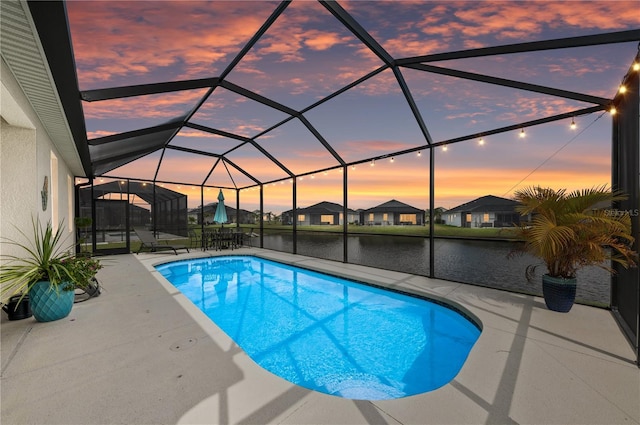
(25,159)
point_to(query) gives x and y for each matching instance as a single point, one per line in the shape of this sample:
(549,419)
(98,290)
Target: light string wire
(554,154)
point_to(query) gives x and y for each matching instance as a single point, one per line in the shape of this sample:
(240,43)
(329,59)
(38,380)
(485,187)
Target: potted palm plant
(46,272)
(569,231)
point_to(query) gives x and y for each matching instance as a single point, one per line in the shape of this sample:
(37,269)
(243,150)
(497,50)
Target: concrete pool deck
(141,353)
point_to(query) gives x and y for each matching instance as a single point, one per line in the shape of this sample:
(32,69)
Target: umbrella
(221,212)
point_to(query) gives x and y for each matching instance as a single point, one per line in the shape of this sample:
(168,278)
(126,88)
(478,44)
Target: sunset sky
(307,54)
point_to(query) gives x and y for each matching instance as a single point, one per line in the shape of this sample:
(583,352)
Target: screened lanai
(283,105)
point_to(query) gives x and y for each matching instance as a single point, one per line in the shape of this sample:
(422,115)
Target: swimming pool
(326,333)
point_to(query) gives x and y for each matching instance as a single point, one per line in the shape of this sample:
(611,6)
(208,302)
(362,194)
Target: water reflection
(469,261)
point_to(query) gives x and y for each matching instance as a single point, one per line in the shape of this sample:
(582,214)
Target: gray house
(486,211)
(392,213)
(320,213)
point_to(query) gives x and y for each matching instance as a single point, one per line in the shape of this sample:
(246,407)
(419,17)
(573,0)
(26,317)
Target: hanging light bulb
(622,89)
(419,153)
(522,134)
(613,110)
(481,141)
(636,66)
(445,148)
(373,162)
(313,176)
(392,159)
(573,124)
(353,167)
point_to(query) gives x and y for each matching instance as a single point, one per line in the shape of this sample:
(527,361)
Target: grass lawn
(440,230)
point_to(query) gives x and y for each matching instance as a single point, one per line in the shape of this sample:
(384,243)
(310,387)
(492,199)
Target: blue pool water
(326,333)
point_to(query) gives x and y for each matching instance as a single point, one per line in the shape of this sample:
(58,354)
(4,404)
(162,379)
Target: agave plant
(43,259)
(569,231)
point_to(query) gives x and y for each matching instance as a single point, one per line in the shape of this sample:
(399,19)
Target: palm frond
(569,231)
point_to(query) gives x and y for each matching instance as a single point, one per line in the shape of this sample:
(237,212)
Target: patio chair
(195,241)
(150,241)
(247,237)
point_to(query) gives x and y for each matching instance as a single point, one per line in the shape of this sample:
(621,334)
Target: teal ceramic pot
(559,294)
(47,304)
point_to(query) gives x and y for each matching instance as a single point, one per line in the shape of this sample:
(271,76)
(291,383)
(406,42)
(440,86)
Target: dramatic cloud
(307,54)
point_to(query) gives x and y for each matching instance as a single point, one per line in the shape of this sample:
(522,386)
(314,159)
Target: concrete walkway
(141,353)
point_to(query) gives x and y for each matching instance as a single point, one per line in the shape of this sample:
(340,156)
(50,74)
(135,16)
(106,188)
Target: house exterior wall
(25,159)
(478,219)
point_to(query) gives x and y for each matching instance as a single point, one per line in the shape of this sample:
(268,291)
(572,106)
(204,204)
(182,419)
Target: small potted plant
(569,231)
(46,272)
(82,270)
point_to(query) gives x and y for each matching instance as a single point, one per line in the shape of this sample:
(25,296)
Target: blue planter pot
(559,294)
(47,304)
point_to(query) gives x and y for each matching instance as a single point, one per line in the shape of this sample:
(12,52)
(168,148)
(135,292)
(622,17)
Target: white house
(39,159)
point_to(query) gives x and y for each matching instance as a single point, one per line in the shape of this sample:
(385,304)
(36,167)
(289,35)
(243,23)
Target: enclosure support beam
(294,220)
(202,243)
(432,204)
(625,175)
(261,216)
(345,217)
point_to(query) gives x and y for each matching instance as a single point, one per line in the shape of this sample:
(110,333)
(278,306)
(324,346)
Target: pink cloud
(159,106)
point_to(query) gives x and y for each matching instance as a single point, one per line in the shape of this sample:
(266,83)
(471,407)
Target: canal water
(478,262)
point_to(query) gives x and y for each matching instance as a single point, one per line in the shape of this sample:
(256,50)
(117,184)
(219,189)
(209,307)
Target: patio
(142,353)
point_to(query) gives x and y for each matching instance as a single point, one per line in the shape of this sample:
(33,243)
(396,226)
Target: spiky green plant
(44,258)
(569,231)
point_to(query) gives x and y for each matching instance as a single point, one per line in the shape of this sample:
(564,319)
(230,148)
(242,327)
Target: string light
(392,159)
(573,124)
(353,167)
(613,110)
(522,133)
(445,148)
(313,176)
(622,89)
(481,142)
(373,162)
(636,66)
(419,153)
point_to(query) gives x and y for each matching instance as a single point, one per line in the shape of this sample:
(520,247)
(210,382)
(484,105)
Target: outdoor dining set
(224,239)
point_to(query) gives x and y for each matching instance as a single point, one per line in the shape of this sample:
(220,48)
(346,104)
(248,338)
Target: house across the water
(486,211)
(321,213)
(392,213)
